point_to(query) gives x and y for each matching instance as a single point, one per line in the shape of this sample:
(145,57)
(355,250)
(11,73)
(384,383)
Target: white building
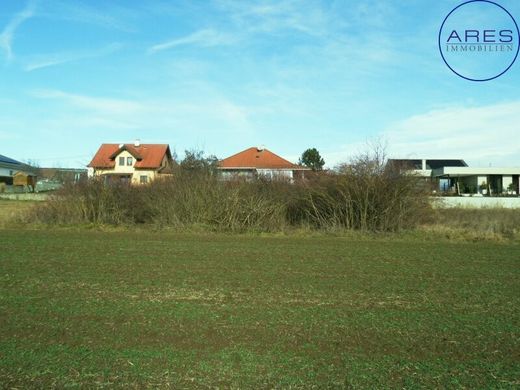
(455,176)
(9,168)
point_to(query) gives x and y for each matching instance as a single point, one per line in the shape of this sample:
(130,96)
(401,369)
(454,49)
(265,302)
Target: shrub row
(363,195)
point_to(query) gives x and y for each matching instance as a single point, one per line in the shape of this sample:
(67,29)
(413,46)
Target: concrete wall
(25,196)
(475,202)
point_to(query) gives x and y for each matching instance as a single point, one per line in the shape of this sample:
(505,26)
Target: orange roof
(253,158)
(147,155)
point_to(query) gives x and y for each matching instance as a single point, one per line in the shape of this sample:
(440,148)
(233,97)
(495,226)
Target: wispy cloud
(8,34)
(274,16)
(483,135)
(205,38)
(104,14)
(99,104)
(44,61)
(151,114)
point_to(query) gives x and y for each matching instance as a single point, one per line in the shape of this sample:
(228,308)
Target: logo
(479,40)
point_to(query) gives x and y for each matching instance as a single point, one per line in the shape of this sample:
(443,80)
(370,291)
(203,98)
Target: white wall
(476,202)
(7,171)
(124,168)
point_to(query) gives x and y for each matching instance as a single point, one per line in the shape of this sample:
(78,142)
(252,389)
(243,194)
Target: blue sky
(226,75)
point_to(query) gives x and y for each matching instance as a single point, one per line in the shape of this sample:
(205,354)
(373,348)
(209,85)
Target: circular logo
(479,40)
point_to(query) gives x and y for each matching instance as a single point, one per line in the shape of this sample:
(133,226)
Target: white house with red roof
(132,163)
(259,162)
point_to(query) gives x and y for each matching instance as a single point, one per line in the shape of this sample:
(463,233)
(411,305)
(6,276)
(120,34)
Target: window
(129,161)
(144,179)
(11,173)
(121,161)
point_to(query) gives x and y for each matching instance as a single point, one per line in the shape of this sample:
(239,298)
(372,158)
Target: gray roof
(14,165)
(7,160)
(430,163)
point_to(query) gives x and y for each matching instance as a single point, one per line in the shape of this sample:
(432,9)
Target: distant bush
(182,201)
(364,194)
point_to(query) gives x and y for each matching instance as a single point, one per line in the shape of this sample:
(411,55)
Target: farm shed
(25,180)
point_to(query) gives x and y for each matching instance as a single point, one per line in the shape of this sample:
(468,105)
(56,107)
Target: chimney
(423,164)
(137,143)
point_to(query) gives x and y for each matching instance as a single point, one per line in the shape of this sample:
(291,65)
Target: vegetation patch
(11,210)
(367,195)
(154,309)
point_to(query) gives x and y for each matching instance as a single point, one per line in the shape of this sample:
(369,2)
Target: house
(15,173)
(131,163)
(457,177)
(259,162)
(8,168)
(483,181)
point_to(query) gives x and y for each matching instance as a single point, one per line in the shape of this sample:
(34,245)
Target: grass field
(144,309)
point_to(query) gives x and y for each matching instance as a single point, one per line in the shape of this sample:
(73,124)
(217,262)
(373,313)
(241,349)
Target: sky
(223,75)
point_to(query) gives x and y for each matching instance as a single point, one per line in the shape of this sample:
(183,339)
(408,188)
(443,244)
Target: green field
(144,309)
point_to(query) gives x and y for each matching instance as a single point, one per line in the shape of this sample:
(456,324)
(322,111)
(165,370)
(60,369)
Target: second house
(131,163)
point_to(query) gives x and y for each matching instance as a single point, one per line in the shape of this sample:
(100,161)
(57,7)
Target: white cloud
(104,14)
(98,104)
(44,61)
(205,38)
(149,115)
(481,135)
(275,16)
(8,34)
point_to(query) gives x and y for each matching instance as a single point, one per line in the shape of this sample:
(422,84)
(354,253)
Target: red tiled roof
(147,155)
(256,158)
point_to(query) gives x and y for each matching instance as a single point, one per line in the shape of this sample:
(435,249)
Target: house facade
(457,177)
(483,181)
(259,162)
(131,163)
(10,169)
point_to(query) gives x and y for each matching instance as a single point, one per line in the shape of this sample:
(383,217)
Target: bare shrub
(93,202)
(186,200)
(365,194)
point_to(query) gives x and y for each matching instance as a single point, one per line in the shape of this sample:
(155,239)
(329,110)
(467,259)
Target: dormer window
(129,161)
(121,161)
